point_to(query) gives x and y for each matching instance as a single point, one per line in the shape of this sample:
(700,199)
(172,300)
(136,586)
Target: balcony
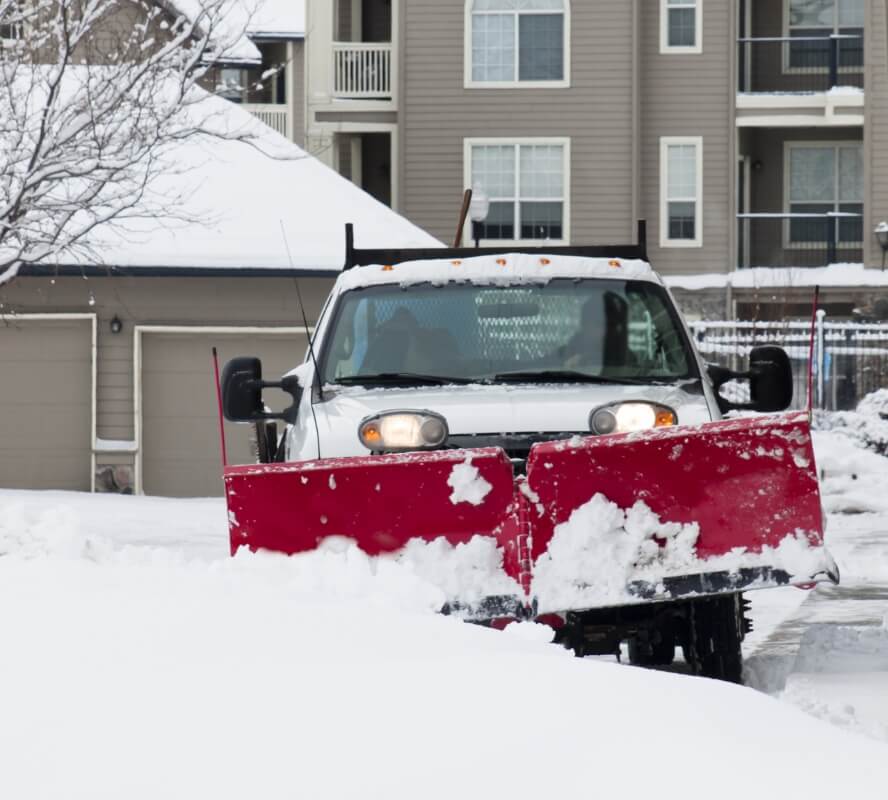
(362,70)
(799,239)
(800,81)
(275,115)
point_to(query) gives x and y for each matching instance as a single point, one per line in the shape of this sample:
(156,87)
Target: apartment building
(748,133)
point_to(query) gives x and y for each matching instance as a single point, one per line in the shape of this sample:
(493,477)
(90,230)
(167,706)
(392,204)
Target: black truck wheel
(656,648)
(713,637)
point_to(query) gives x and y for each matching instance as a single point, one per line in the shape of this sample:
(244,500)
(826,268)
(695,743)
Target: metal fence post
(820,357)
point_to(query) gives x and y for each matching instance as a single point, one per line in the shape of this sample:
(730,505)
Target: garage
(179,430)
(46,403)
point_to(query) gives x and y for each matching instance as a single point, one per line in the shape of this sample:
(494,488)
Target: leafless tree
(95,96)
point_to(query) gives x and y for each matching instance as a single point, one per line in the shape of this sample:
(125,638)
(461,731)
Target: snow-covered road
(140,661)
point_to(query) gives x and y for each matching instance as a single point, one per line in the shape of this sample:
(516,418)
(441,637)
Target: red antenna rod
(219,402)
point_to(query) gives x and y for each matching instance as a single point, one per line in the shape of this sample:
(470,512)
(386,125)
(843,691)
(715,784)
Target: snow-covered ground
(140,661)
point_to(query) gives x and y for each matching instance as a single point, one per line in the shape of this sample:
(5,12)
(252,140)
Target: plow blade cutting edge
(598,521)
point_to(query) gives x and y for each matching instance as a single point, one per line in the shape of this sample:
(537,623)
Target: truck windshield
(624,331)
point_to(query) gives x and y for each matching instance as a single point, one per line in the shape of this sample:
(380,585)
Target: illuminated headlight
(628,417)
(403,430)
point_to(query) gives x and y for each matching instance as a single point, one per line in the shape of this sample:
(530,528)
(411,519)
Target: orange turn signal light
(665,418)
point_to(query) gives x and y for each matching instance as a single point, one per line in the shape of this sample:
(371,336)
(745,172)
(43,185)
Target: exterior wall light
(116,325)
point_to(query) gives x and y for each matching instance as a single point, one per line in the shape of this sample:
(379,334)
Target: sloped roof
(253,200)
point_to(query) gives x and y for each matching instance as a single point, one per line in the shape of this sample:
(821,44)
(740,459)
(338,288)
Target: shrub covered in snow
(867,426)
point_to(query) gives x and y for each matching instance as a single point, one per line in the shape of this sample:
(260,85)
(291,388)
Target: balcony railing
(799,240)
(362,70)
(276,116)
(800,64)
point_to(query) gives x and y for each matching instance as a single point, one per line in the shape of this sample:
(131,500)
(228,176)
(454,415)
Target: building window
(680,26)
(815,21)
(11,21)
(681,191)
(527,182)
(825,179)
(517,43)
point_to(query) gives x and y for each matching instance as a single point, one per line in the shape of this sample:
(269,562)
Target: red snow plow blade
(749,484)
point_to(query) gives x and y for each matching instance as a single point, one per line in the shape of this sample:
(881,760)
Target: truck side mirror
(242,387)
(769,376)
(242,390)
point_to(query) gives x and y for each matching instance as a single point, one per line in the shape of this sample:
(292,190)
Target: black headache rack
(364,258)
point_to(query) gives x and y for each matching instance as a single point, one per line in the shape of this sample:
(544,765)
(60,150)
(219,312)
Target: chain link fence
(850,358)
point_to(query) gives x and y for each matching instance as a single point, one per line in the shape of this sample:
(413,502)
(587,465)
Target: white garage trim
(92,319)
(209,330)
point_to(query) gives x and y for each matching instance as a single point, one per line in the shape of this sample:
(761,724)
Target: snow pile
(496,270)
(466,572)
(467,484)
(32,531)
(617,548)
(852,479)
(614,546)
(866,426)
(167,670)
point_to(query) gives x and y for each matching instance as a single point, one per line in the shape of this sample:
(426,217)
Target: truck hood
(477,409)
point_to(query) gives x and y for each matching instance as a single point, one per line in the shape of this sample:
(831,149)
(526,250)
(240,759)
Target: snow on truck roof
(507,269)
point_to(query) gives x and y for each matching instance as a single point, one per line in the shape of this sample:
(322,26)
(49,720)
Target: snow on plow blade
(726,505)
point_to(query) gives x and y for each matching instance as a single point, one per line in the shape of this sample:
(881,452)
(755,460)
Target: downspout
(636,113)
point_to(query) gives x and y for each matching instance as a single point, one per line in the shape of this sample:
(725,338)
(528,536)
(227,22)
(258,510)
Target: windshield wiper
(400,379)
(562,376)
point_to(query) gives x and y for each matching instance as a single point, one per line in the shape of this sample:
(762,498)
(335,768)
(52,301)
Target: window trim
(562,141)
(665,143)
(470,83)
(665,48)
(835,144)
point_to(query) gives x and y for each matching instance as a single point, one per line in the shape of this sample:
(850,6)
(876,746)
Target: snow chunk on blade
(601,520)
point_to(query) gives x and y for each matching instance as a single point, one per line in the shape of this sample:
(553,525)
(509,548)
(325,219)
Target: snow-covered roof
(835,275)
(245,198)
(507,269)
(236,22)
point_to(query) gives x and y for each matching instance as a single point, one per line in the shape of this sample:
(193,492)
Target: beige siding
(595,113)
(875,136)
(160,301)
(691,95)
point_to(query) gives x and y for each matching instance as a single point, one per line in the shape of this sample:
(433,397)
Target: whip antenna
(308,333)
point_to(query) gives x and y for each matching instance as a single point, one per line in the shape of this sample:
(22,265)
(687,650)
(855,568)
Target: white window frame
(17,29)
(787,33)
(665,48)
(470,83)
(665,143)
(788,146)
(564,143)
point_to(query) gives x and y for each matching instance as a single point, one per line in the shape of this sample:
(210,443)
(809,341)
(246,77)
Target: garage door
(180,428)
(45,404)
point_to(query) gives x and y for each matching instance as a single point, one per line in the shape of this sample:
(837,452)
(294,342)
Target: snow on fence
(850,358)
(276,116)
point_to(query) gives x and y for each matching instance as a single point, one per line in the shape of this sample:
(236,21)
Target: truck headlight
(403,430)
(629,417)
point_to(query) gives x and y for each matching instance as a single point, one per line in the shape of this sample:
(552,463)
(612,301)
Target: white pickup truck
(503,394)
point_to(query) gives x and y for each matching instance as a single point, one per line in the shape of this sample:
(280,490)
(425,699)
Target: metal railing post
(833,61)
(820,356)
(832,230)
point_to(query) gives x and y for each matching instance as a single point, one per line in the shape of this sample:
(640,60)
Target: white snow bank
(781,277)
(467,484)
(852,479)
(149,675)
(504,270)
(620,547)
